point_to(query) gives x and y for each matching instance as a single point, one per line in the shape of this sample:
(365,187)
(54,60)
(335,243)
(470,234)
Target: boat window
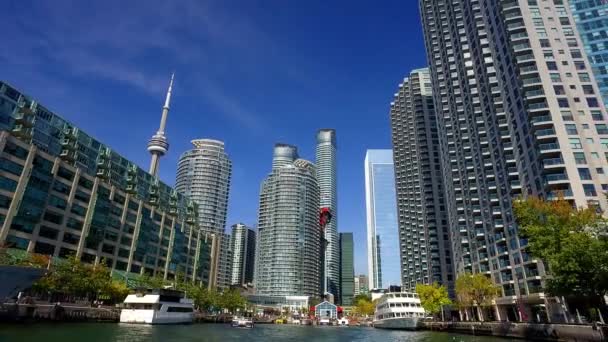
(142,306)
(178,309)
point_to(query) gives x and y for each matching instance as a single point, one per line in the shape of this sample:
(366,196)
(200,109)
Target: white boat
(157,307)
(398,310)
(343,322)
(242,322)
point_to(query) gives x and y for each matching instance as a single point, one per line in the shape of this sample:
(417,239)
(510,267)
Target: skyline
(74,77)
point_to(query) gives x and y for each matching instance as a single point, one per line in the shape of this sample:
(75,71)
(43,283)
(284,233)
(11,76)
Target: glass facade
(591,17)
(288,259)
(382,230)
(203,175)
(243,254)
(65,193)
(326,163)
(347,269)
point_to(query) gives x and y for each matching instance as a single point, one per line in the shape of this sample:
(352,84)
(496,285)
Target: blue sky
(250,73)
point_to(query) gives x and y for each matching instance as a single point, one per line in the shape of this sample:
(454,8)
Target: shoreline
(524,331)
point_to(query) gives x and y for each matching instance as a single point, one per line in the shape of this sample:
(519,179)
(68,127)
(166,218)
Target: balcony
(545,132)
(553,161)
(549,147)
(556,177)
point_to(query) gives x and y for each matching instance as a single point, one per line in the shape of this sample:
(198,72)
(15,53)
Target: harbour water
(106,332)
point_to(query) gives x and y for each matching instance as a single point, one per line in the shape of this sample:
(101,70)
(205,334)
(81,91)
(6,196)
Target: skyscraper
(203,174)
(347,268)
(382,230)
(66,193)
(326,174)
(158,144)
(361,284)
(243,245)
(518,113)
(590,17)
(288,260)
(423,229)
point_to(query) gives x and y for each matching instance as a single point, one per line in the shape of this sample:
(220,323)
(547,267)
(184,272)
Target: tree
(572,243)
(475,290)
(232,300)
(433,297)
(364,306)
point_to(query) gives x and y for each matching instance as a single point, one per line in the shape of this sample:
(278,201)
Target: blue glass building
(591,17)
(382,230)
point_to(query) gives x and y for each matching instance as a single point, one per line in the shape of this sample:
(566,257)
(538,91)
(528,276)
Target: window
(579,65)
(559,90)
(563,102)
(589,190)
(584,174)
(555,77)
(576,53)
(575,143)
(588,89)
(571,129)
(584,77)
(567,115)
(604,142)
(593,102)
(599,170)
(551,65)
(597,115)
(579,157)
(601,128)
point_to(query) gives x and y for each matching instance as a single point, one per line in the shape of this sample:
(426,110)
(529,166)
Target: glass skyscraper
(243,247)
(288,258)
(382,230)
(203,174)
(591,17)
(64,193)
(326,164)
(347,269)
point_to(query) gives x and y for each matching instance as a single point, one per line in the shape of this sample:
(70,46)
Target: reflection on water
(108,332)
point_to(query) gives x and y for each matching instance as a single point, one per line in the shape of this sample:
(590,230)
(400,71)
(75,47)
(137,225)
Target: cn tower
(158,144)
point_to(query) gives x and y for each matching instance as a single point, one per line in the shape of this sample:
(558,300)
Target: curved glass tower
(288,261)
(326,174)
(203,174)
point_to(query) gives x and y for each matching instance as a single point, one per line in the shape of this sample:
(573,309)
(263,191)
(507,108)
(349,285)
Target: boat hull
(404,323)
(152,317)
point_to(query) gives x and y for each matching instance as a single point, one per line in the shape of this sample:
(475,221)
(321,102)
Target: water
(107,332)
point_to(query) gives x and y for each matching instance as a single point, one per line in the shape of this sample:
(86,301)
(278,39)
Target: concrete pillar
(87,218)
(19,191)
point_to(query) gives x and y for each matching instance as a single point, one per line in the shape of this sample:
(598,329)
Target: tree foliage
(364,306)
(73,278)
(572,243)
(433,297)
(475,289)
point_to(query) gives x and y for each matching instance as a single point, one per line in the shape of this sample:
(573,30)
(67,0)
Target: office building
(382,230)
(518,113)
(203,174)
(326,159)
(288,258)
(591,21)
(347,269)
(361,285)
(423,230)
(65,193)
(243,254)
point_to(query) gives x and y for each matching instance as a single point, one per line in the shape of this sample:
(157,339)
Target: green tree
(433,297)
(475,290)
(364,306)
(232,300)
(572,243)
